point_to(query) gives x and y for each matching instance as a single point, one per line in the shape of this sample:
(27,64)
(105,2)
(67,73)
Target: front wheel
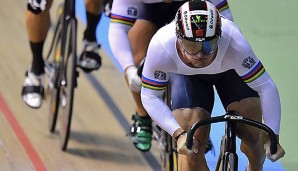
(230,162)
(68,84)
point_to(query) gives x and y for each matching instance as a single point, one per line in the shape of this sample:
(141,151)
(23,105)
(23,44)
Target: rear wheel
(169,155)
(68,84)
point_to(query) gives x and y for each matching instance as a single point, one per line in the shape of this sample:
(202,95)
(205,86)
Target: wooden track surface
(101,118)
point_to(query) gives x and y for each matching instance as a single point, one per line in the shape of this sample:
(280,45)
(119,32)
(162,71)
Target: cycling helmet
(198,21)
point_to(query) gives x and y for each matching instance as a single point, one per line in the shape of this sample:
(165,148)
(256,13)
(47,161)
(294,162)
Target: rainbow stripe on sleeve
(122,20)
(255,73)
(153,85)
(222,6)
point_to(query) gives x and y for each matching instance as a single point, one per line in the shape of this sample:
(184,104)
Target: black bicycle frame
(68,15)
(68,18)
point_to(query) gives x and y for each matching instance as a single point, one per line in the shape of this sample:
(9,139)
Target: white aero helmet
(198,21)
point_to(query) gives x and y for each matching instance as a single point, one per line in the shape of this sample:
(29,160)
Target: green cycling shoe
(141,132)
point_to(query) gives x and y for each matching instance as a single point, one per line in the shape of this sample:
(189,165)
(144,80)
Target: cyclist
(203,50)
(38,22)
(155,15)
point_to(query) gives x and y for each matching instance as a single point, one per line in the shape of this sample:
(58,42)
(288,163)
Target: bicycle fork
(230,157)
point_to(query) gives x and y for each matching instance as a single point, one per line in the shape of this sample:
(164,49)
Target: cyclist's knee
(249,108)
(187,117)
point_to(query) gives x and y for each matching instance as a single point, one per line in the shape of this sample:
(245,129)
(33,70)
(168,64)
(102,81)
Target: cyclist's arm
(158,110)
(270,102)
(123,15)
(155,78)
(259,80)
(242,58)
(120,44)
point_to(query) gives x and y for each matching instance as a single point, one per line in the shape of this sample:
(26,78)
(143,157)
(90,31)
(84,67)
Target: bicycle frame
(231,118)
(66,16)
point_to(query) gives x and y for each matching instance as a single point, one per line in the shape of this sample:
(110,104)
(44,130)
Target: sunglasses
(193,48)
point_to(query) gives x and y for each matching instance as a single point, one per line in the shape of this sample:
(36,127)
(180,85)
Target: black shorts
(189,91)
(161,13)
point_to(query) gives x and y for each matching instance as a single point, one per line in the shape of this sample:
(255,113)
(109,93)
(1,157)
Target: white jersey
(234,52)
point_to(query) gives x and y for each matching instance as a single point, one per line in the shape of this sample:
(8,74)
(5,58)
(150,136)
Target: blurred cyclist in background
(38,23)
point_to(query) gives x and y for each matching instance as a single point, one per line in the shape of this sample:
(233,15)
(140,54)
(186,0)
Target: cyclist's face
(199,54)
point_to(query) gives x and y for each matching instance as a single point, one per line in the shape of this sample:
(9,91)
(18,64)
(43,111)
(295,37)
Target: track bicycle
(61,71)
(228,158)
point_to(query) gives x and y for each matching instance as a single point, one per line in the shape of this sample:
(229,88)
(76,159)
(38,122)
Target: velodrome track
(103,106)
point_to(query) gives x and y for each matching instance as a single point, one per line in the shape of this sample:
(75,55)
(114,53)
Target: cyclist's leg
(37,25)
(252,143)
(186,117)
(90,59)
(246,101)
(192,101)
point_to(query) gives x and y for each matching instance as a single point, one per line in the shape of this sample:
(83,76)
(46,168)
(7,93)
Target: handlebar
(231,116)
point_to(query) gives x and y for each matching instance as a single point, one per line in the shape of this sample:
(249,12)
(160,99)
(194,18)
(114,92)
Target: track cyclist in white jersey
(124,15)
(202,50)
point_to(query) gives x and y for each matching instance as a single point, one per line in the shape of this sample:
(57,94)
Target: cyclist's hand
(279,153)
(134,81)
(37,6)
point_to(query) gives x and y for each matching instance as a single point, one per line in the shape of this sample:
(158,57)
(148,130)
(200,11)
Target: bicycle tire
(53,90)
(68,84)
(230,159)
(53,108)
